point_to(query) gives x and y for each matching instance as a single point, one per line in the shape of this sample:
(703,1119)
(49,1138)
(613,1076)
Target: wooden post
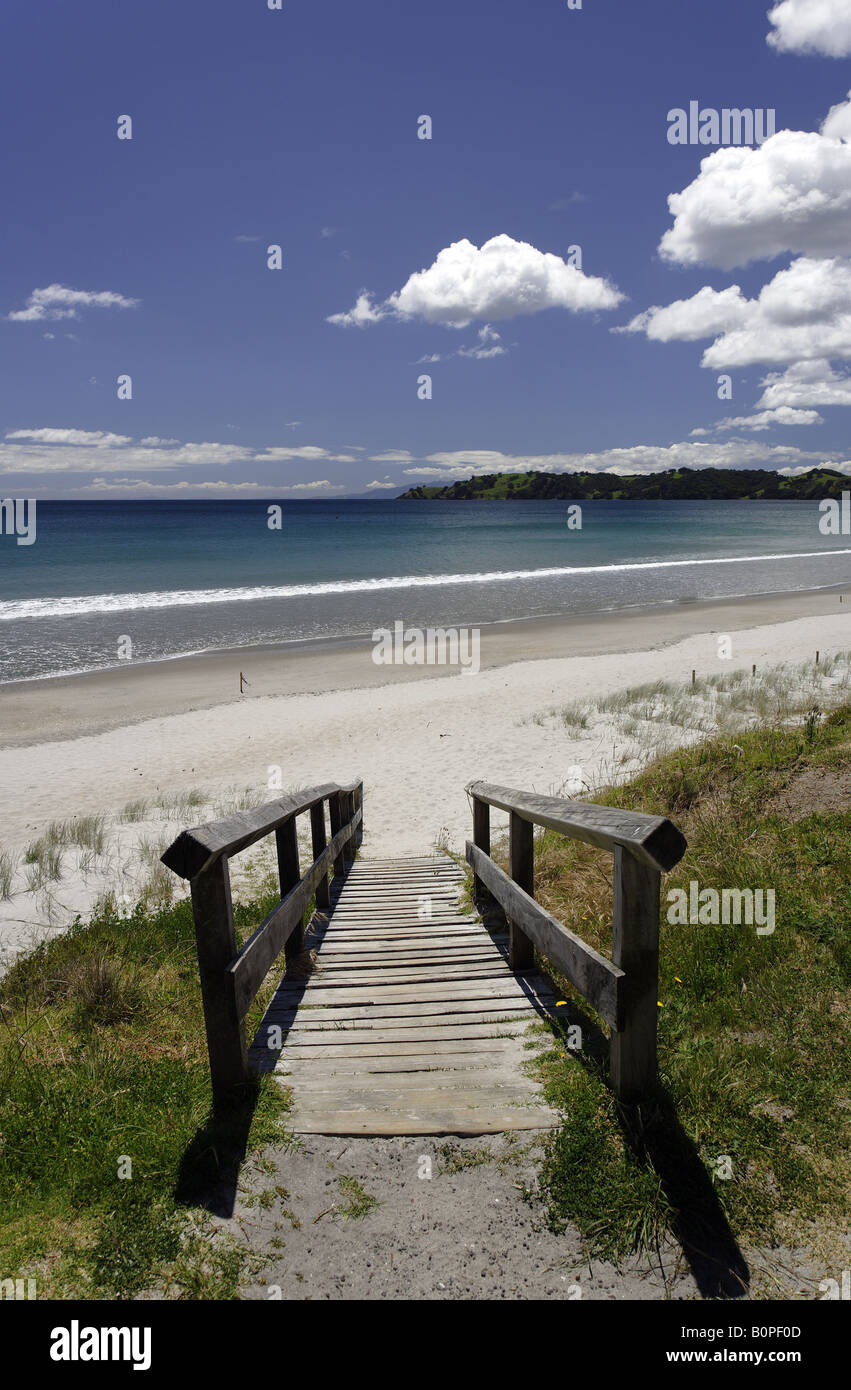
(319,841)
(289,873)
(635,948)
(482,840)
(350,848)
(215,940)
(521,952)
(335,806)
(358,800)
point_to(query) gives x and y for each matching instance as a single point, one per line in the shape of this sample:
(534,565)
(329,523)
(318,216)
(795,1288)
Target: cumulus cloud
(370,487)
(59,302)
(363,312)
(791,194)
(844,467)
(765,420)
(686,320)
(811,26)
(803,313)
(501,279)
(803,384)
(837,122)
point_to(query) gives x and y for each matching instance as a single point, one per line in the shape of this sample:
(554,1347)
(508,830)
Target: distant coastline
(674,485)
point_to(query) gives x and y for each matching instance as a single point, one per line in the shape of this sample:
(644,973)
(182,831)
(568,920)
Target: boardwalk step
(407,1023)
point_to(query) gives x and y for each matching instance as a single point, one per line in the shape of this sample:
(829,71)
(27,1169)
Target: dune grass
(659,715)
(103,1058)
(753,1030)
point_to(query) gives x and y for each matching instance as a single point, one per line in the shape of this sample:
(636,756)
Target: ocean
(110,582)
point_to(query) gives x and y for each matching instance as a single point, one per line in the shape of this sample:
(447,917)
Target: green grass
(8,866)
(103,1057)
(358,1201)
(753,1031)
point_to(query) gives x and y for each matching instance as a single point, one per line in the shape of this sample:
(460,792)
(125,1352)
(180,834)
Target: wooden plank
(653,839)
(424,1048)
(328,977)
(447,1009)
(445,1062)
(507,987)
(349,1036)
(380,1122)
(595,977)
(405,958)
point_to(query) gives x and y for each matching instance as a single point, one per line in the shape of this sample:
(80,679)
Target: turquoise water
(179,577)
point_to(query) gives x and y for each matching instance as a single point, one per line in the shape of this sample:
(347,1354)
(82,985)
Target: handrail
(195,850)
(654,839)
(230,979)
(624,990)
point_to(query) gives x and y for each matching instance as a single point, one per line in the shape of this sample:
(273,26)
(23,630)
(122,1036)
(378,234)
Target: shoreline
(75,705)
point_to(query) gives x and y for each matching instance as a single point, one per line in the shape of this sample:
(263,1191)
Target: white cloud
(804,313)
(364,312)
(640,458)
(154,441)
(375,484)
(392,456)
(189,485)
(312,452)
(812,26)
(813,383)
(499,280)
(686,320)
(47,436)
(490,345)
(808,468)
(144,485)
(837,122)
(58,302)
(83,451)
(791,194)
(765,420)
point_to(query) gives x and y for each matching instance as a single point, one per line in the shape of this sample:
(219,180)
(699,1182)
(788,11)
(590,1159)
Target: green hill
(679,484)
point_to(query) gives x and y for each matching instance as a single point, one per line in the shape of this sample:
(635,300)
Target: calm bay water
(178,577)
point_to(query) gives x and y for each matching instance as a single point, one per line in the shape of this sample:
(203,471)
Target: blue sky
(254,127)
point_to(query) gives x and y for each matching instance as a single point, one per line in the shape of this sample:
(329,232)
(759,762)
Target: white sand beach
(416,736)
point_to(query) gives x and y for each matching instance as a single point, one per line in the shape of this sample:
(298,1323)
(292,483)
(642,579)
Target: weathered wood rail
(230,979)
(623,990)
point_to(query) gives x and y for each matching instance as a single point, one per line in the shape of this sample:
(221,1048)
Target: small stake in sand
(242,682)
(693,677)
(753,670)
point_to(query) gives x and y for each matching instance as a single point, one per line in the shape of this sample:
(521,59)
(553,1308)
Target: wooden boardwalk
(410,1020)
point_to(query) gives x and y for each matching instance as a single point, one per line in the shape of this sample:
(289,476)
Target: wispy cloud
(59,302)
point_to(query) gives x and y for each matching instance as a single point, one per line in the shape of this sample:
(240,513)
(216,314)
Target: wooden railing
(623,990)
(230,979)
